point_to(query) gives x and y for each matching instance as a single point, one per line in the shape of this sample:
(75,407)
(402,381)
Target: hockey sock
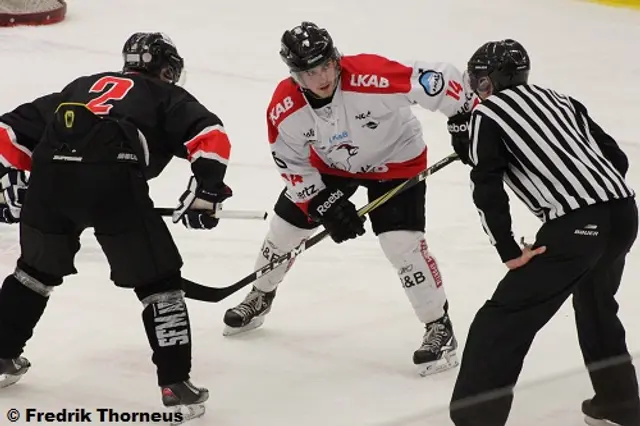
(23,299)
(166,322)
(418,272)
(281,239)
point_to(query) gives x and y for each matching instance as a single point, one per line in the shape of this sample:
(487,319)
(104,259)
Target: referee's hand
(528,253)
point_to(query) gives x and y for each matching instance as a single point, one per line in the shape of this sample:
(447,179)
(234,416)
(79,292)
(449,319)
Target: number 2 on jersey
(114,88)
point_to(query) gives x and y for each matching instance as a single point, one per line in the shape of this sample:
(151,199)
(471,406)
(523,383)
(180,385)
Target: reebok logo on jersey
(335,196)
(369,80)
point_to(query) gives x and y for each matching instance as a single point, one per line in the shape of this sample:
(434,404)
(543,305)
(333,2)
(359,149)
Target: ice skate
(438,350)
(619,414)
(185,400)
(12,370)
(249,314)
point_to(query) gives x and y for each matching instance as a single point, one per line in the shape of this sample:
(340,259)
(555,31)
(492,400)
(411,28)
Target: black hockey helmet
(306,46)
(153,53)
(505,63)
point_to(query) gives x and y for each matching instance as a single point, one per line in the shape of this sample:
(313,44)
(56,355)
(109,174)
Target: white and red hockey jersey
(368,131)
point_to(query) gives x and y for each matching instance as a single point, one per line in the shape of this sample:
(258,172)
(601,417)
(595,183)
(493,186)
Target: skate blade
(598,422)
(7,380)
(185,413)
(253,324)
(447,362)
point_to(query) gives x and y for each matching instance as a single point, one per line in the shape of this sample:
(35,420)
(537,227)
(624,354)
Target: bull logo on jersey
(340,156)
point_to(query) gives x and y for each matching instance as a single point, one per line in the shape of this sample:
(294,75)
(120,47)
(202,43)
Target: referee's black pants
(585,258)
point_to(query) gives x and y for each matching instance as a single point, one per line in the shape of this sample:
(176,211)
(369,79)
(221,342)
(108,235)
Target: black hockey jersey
(171,122)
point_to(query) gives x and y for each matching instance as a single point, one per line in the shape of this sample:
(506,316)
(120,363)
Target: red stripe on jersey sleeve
(286,99)
(12,154)
(211,143)
(366,73)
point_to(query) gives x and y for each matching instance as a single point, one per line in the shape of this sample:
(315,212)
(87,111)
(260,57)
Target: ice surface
(336,349)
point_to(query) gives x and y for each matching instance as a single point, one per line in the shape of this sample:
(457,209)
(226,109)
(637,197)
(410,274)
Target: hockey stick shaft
(203,293)
(223,214)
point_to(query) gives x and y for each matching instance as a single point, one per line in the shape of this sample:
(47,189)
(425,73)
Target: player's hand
(337,214)
(528,253)
(458,127)
(13,186)
(197,206)
(199,219)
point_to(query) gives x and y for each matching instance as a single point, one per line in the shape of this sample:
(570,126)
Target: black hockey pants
(113,199)
(585,258)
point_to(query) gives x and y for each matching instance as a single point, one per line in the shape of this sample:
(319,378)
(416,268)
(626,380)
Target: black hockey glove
(338,215)
(13,185)
(197,206)
(458,127)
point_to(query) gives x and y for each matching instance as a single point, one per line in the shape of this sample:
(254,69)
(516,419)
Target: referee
(569,173)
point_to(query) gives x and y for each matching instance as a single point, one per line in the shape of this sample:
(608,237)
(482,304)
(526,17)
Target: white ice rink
(336,349)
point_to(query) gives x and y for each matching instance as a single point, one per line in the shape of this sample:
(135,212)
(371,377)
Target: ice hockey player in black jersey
(90,150)
(571,174)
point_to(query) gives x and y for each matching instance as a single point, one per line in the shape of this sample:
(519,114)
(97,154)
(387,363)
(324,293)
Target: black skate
(618,414)
(12,370)
(438,350)
(186,401)
(249,314)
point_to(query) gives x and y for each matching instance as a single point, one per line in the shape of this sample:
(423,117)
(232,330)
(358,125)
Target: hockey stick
(223,214)
(203,293)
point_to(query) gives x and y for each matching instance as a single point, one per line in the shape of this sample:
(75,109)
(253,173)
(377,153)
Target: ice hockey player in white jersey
(340,122)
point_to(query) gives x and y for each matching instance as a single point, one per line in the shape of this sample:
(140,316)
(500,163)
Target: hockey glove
(458,127)
(338,215)
(197,206)
(14,188)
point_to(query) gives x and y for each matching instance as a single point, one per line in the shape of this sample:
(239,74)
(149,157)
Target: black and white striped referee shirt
(548,150)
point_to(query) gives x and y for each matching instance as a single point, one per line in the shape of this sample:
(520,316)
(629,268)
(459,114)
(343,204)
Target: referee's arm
(607,144)
(489,157)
